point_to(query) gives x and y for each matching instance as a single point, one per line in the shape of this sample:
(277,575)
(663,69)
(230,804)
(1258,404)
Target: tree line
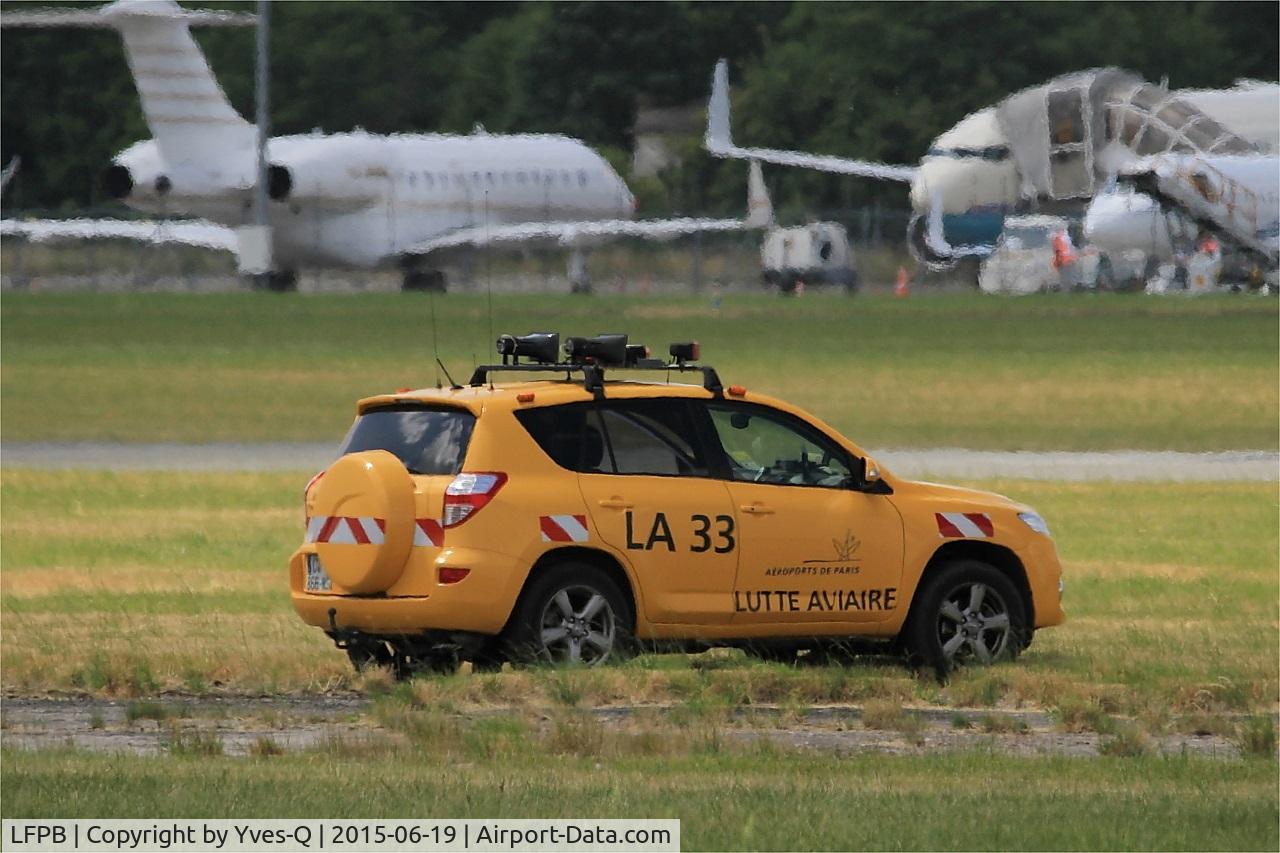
(875,81)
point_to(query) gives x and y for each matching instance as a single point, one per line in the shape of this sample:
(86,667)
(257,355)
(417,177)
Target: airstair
(1202,188)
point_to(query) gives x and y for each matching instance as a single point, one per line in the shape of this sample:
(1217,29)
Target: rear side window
(561,433)
(652,437)
(427,440)
(619,437)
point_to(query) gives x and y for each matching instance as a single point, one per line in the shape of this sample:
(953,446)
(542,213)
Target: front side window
(427,440)
(768,447)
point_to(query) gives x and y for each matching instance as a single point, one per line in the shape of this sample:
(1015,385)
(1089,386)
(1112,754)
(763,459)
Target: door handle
(615,503)
(757,509)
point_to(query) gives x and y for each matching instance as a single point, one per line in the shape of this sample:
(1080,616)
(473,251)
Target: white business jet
(358,199)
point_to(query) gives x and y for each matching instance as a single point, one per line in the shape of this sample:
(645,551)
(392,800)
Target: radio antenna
(435,340)
(488,274)
(453,386)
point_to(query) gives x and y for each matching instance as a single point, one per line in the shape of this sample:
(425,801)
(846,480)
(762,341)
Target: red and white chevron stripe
(343,530)
(427,531)
(964,525)
(564,528)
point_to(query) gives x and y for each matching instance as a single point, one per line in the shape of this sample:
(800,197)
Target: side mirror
(866,477)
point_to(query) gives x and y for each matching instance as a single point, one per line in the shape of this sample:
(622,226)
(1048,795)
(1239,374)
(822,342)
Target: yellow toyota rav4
(564,519)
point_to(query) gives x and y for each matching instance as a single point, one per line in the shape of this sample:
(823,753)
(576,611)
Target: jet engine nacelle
(139,176)
(1124,219)
(142,179)
(326,176)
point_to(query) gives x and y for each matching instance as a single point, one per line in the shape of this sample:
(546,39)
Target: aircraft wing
(574,233)
(195,232)
(105,16)
(719,141)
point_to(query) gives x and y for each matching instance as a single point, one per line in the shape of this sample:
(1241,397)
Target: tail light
(468,493)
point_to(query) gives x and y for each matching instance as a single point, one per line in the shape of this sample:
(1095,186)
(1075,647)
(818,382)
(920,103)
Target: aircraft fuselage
(365,200)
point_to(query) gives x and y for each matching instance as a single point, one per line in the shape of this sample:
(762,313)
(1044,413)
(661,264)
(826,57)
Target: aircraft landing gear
(276,281)
(424,281)
(579,278)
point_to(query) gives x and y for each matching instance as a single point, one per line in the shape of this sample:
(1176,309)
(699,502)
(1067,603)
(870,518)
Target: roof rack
(590,357)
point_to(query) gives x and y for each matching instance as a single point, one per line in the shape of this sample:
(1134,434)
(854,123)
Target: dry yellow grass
(128,654)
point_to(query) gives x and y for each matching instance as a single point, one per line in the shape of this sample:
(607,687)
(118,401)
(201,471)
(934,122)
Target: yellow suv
(565,518)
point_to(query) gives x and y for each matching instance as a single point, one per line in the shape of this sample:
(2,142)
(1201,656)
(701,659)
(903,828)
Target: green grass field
(140,584)
(761,799)
(1047,372)
(131,583)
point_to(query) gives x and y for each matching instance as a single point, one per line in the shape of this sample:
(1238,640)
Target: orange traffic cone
(901,288)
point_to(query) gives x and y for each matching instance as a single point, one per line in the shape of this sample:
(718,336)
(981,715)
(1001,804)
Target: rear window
(427,440)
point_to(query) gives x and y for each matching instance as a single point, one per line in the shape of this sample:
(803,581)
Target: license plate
(317,577)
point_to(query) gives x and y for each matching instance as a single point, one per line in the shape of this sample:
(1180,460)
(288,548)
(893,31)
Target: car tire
(968,612)
(572,614)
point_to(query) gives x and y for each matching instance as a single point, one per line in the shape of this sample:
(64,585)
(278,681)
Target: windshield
(426,440)
(1026,238)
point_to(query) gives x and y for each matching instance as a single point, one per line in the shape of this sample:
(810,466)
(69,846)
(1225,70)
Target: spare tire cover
(364,510)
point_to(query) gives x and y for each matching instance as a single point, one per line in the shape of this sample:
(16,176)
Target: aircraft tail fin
(759,205)
(184,106)
(719,138)
(9,171)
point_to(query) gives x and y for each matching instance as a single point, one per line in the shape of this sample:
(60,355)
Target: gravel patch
(294,723)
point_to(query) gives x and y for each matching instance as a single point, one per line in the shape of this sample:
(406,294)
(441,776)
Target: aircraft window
(413,179)
(475,178)
(994,153)
(459,179)
(582,177)
(1124,124)
(1156,140)
(428,180)
(1205,187)
(1069,174)
(564,177)
(549,177)
(506,178)
(520,177)
(488,176)
(1176,114)
(1066,123)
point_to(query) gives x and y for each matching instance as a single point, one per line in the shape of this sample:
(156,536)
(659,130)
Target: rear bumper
(480,603)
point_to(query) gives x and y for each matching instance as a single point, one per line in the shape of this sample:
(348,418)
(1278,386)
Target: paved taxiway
(1118,465)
